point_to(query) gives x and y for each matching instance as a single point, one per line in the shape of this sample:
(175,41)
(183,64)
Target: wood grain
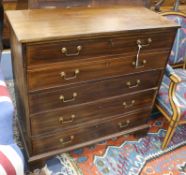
(85,134)
(50,76)
(89,113)
(50,99)
(110,45)
(81,22)
(97,47)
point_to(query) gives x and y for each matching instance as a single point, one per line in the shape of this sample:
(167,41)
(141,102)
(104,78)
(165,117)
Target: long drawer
(70,73)
(95,47)
(63,119)
(89,92)
(85,134)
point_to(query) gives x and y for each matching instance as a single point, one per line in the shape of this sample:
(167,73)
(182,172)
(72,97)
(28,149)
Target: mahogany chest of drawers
(85,75)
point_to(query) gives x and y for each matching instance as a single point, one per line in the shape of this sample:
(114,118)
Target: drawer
(90,92)
(72,73)
(85,134)
(87,114)
(44,53)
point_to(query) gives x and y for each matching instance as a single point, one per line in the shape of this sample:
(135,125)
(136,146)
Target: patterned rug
(126,155)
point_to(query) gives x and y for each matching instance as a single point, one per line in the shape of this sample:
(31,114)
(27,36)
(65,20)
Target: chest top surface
(48,24)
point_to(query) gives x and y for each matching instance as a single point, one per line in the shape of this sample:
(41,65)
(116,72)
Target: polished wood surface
(81,22)
(91,70)
(81,135)
(102,110)
(116,86)
(30,4)
(95,48)
(52,99)
(77,87)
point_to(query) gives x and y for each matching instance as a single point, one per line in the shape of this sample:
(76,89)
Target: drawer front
(71,73)
(82,135)
(89,92)
(90,48)
(90,113)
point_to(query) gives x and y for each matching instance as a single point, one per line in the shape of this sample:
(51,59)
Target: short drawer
(85,134)
(78,72)
(90,92)
(42,53)
(78,116)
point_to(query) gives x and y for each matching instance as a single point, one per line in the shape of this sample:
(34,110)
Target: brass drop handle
(62,98)
(63,75)
(139,42)
(136,63)
(130,85)
(62,121)
(124,124)
(64,50)
(129,105)
(139,65)
(63,142)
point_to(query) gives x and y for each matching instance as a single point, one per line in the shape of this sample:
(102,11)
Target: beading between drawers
(85,78)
